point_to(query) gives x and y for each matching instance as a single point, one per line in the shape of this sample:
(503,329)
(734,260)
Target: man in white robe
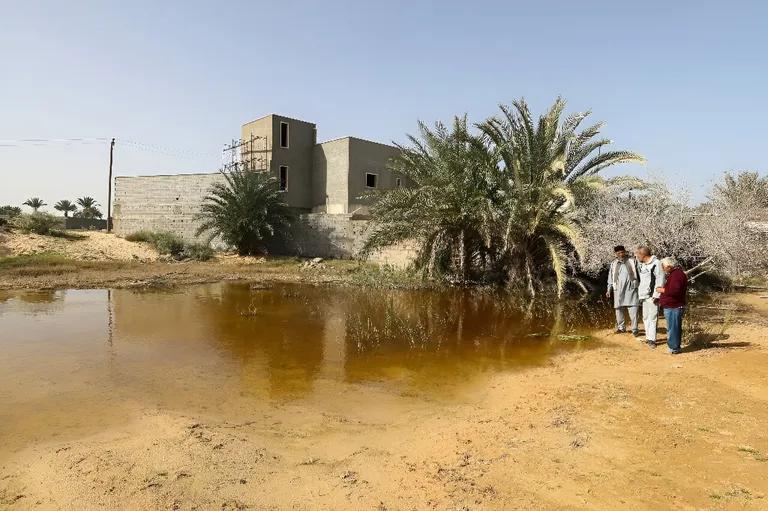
(651,276)
(622,285)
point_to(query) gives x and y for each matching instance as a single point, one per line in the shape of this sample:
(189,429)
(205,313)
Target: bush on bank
(37,223)
(168,243)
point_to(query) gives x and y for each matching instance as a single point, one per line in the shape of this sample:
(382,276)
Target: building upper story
(329,177)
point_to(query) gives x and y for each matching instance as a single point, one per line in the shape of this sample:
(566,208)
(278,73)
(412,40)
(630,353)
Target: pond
(75,361)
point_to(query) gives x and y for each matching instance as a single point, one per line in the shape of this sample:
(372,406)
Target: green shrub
(145,236)
(197,252)
(168,243)
(10,211)
(38,223)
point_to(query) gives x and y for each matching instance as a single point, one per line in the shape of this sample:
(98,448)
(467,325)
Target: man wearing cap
(623,280)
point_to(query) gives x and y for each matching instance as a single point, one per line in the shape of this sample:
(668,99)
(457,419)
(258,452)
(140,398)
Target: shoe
(651,344)
(674,352)
(620,331)
(636,333)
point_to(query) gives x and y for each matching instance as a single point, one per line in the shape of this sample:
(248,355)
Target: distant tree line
(40,222)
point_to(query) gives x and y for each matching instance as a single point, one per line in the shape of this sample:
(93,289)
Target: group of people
(647,282)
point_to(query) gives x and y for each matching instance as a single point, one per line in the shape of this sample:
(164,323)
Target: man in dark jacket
(672,300)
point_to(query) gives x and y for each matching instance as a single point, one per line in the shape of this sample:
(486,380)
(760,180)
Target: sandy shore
(617,427)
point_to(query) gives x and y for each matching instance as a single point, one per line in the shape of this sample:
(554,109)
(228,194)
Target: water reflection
(79,359)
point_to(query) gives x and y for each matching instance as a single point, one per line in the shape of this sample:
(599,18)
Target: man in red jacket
(672,300)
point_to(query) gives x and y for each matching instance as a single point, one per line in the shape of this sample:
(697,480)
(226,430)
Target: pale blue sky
(683,83)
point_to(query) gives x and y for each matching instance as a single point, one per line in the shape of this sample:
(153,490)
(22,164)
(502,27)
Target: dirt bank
(70,274)
(617,427)
(77,245)
(96,259)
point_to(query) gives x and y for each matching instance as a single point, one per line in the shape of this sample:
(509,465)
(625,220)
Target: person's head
(642,253)
(620,252)
(668,264)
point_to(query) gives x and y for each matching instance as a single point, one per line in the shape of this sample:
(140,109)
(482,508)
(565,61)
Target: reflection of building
(230,330)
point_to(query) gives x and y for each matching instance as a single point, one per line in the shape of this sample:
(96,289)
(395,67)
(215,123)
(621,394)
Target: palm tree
(244,210)
(449,207)
(65,207)
(87,202)
(545,164)
(10,211)
(35,203)
(89,208)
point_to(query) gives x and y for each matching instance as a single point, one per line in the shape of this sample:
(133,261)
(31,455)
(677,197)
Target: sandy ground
(81,246)
(618,427)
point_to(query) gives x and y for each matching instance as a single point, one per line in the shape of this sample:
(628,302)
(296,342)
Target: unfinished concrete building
(325,182)
(330,177)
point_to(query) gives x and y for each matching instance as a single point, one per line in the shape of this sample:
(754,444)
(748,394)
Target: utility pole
(109,187)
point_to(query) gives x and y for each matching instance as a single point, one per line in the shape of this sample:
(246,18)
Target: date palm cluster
(496,200)
(244,210)
(88,207)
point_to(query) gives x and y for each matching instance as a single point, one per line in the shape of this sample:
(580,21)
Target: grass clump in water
(384,277)
(573,337)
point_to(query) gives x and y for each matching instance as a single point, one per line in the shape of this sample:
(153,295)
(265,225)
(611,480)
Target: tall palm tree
(448,207)
(35,203)
(244,210)
(65,207)
(545,163)
(89,208)
(87,202)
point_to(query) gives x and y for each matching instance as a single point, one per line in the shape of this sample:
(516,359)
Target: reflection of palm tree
(268,324)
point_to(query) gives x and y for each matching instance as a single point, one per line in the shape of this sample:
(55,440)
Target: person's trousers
(620,324)
(674,319)
(650,318)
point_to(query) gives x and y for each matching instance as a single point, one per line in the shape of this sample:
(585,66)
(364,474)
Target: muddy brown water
(76,362)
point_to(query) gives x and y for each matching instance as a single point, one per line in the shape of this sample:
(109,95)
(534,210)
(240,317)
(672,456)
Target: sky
(682,83)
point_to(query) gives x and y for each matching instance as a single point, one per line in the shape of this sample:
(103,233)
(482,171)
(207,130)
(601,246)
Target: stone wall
(338,237)
(170,203)
(160,203)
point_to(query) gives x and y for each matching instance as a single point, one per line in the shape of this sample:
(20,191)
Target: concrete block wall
(160,203)
(170,203)
(338,237)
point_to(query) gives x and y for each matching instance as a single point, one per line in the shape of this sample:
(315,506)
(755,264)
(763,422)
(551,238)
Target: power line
(127,143)
(21,142)
(169,151)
